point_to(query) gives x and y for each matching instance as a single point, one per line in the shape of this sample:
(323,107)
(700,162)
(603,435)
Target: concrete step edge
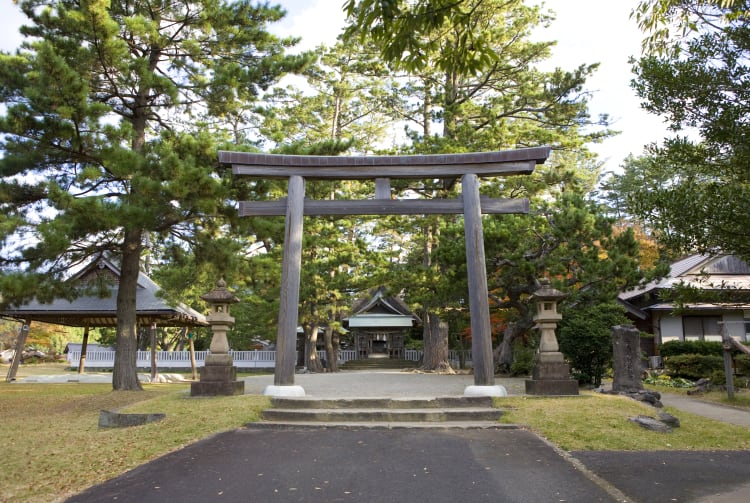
(390,411)
(431,415)
(384,425)
(382,402)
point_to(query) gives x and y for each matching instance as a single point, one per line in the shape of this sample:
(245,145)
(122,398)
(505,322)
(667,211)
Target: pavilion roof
(96,311)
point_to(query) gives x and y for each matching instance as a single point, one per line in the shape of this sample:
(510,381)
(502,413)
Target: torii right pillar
(481,334)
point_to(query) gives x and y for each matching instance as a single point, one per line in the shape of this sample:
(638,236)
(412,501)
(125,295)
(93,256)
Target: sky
(586,31)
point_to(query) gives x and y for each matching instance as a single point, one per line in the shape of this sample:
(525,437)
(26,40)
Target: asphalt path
(682,476)
(349,465)
(322,465)
(725,414)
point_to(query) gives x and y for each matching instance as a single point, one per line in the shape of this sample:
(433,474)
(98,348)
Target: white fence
(242,359)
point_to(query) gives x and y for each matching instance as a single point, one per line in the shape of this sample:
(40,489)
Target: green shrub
(523,360)
(658,378)
(742,365)
(674,348)
(718,378)
(693,366)
(585,338)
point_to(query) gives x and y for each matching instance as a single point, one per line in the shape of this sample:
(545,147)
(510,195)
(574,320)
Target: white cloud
(13,18)
(316,22)
(595,31)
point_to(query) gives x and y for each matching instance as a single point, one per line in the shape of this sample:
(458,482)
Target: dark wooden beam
(382,188)
(501,163)
(291,267)
(383,207)
(476,272)
(20,345)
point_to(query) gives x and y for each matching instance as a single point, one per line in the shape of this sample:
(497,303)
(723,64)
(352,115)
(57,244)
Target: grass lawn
(53,447)
(595,421)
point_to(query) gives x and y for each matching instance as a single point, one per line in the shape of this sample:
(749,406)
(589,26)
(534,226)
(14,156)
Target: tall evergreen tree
(113,114)
(343,102)
(693,190)
(472,85)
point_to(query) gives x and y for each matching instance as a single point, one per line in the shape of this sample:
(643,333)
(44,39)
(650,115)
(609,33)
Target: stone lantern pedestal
(219,376)
(551,375)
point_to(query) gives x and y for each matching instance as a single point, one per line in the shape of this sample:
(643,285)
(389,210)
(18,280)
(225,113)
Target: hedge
(693,366)
(674,348)
(742,365)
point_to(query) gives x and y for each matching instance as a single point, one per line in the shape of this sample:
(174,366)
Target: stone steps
(378,364)
(442,412)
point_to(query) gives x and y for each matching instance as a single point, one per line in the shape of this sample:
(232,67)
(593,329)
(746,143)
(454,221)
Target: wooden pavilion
(101,311)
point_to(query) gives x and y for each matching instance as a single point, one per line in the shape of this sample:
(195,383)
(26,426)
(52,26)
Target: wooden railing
(242,359)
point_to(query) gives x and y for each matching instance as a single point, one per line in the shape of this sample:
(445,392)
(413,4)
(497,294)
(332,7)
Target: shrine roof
(101,311)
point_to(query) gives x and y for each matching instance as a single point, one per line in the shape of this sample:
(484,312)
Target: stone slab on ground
(112,419)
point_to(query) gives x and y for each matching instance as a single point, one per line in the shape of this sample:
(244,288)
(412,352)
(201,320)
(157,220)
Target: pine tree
(114,112)
(472,85)
(693,190)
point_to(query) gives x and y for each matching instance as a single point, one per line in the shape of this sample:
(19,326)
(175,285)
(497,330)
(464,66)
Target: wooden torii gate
(469,167)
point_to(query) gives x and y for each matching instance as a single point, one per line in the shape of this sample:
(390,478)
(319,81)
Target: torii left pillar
(286,337)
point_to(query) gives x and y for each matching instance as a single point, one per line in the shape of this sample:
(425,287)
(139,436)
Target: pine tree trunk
(332,350)
(504,352)
(436,354)
(124,375)
(312,362)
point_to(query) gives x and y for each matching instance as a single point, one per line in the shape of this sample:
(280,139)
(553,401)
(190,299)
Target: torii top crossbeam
(500,163)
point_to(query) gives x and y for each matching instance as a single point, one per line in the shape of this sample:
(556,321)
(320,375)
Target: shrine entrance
(379,324)
(448,167)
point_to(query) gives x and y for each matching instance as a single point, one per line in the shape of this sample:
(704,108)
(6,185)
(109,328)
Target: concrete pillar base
(289,390)
(495,390)
(217,388)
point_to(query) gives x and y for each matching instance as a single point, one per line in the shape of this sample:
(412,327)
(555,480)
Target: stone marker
(626,353)
(110,419)
(651,424)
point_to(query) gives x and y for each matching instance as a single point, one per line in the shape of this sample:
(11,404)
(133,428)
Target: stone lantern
(551,375)
(219,376)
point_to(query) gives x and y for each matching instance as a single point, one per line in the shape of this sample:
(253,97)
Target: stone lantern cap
(220,294)
(546,292)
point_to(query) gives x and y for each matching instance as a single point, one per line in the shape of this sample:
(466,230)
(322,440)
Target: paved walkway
(358,466)
(727,414)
